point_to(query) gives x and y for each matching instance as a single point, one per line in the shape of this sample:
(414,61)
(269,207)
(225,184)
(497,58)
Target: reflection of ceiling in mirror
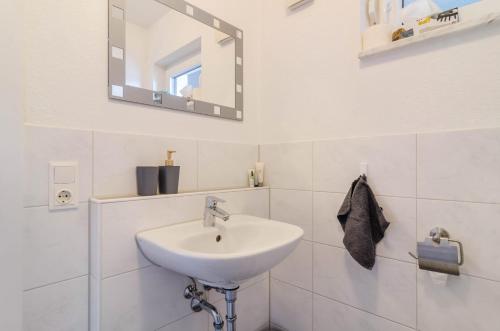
(145,12)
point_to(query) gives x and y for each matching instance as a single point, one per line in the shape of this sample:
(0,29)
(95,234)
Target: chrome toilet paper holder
(436,254)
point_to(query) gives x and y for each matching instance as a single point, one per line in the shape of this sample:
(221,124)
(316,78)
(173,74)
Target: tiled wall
(56,243)
(129,293)
(449,179)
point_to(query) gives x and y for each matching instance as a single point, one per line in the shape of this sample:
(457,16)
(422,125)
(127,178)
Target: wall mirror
(174,55)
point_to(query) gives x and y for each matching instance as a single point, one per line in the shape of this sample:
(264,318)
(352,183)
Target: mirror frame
(118,90)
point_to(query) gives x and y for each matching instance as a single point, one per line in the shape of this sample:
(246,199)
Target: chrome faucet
(212,211)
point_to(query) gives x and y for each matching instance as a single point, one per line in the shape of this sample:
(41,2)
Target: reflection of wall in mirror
(174,44)
(136,56)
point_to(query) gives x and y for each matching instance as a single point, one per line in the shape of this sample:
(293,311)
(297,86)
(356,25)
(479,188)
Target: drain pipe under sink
(198,303)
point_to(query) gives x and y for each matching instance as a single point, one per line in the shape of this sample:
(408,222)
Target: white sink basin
(224,255)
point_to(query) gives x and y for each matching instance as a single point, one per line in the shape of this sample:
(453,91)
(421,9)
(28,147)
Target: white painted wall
(66,73)
(314,86)
(10,177)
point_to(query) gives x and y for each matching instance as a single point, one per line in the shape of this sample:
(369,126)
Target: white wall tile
(296,269)
(462,304)
(145,299)
(116,157)
(252,308)
(225,165)
(122,221)
(391,164)
(291,307)
(388,290)
(55,245)
(43,145)
(476,225)
(253,202)
(460,165)
(400,237)
(330,315)
(294,207)
(59,307)
(215,297)
(327,229)
(288,166)
(193,322)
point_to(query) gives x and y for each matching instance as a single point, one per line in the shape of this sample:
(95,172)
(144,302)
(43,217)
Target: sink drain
(219,238)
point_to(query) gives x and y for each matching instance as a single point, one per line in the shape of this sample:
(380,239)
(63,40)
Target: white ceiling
(145,12)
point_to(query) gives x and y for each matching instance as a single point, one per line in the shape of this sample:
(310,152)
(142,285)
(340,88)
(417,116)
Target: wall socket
(63,185)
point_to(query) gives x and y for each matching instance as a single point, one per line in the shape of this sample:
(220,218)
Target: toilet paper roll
(377,35)
(438,278)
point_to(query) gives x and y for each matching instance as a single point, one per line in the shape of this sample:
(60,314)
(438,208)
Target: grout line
(289,189)
(269,300)
(55,283)
(459,201)
(343,193)
(92,167)
(480,277)
(389,196)
(365,311)
(46,205)
(312,234)
(290,284)
(343,248)
(197,165)
(175,321)
(340,302)
(270,201)
(416,231)
(128,271)
(35,206)
(269,272)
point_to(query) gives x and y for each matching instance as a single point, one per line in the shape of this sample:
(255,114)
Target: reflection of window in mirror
(442,4)
(190,77)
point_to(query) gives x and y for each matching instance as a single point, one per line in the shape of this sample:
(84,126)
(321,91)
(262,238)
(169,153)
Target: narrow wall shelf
(449,30)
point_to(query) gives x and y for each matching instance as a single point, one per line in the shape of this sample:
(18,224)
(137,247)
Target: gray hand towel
(363,223)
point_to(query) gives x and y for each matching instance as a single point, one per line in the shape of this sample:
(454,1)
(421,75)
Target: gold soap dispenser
(169,176)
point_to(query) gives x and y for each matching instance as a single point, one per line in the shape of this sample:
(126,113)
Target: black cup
(169,179)
(147,181)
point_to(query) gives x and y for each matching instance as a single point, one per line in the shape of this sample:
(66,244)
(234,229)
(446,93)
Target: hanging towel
(363,223)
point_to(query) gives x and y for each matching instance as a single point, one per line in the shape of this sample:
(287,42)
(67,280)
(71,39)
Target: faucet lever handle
(213,201)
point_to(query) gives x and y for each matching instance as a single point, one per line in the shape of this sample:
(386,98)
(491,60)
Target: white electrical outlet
(63,185)
(64,197)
